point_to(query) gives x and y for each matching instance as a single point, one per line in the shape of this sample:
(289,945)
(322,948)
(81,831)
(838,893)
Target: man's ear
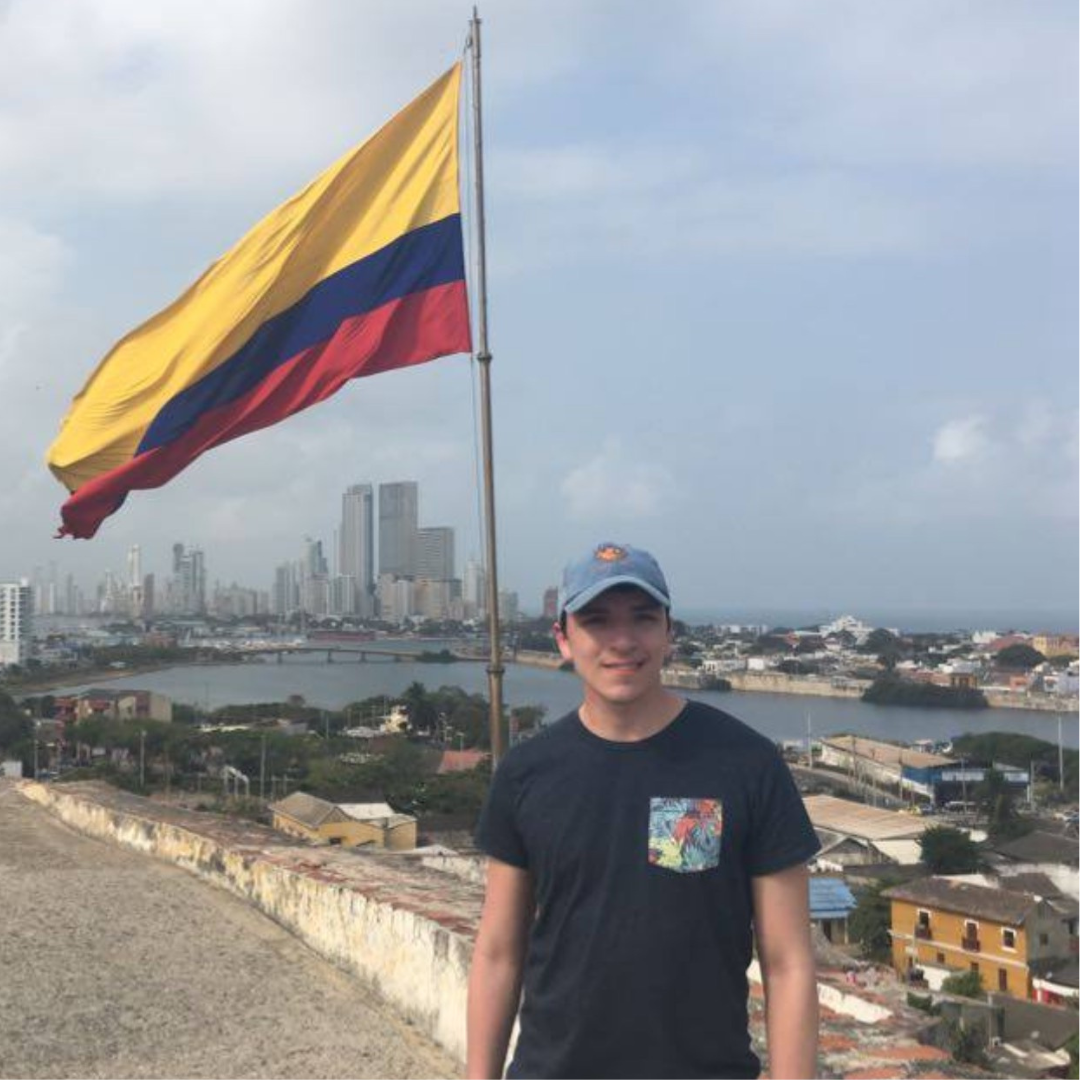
(560,640)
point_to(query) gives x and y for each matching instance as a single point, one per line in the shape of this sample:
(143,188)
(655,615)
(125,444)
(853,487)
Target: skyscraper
(435,553)
(16,622)
(188,586)
(356,550)
(399,505)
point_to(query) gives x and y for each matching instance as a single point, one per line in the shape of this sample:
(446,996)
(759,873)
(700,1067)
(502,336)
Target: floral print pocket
(684,834)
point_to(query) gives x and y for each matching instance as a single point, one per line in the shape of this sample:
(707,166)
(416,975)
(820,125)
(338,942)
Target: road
(115,965)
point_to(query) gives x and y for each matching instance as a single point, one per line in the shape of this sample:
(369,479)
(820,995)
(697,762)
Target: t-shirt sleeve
(782,835)
(497,833)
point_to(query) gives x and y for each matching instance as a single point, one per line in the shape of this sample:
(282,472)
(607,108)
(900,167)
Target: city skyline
(788,298)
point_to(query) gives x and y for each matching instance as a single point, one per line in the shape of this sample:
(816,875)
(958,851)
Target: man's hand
(495,975)
(782,928)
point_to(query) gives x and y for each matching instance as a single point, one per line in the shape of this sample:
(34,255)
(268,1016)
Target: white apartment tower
(356,549)
(16,622)
(474,590)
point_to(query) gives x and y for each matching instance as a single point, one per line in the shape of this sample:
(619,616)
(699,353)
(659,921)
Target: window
(1008,938)
(1044,939)
(1003,979)
(941,958)
(975,967)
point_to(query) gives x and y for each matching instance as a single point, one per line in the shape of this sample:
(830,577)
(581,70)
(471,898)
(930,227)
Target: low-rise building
(853,833)
(114,705)
(942,927)
(831,902)
(1056,857)
(346,824)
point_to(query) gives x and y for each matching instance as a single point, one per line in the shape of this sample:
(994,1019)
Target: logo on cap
(610,553)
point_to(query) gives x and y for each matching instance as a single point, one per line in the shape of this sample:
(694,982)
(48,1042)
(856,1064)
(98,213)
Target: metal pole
(1061,758)
(495,667)
(142,759)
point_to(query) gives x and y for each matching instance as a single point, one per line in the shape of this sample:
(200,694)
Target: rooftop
(1041,847)
(996,905)
(886,753)
(857,819)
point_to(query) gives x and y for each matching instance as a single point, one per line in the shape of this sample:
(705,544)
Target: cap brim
(586,596)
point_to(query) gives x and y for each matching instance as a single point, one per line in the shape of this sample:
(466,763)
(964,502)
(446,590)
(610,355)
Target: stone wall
(778,683)
(404,929)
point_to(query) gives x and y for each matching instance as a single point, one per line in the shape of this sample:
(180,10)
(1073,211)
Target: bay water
(778,716)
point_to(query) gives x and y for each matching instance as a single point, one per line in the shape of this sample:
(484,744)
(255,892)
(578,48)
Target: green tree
(423,714)
(965,984)
(1019,656)
(870,920)
(997,801)
(15,726)
(1019,750)
(946,850)
(883,644)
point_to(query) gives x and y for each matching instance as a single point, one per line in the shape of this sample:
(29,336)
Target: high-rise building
(396,598)
(474,591)
(508,606)
(399,508)
(16,622)
(550,605)
(148,608)
(285,595)
(135,582)
(435,553)
(187,592)
(356,552)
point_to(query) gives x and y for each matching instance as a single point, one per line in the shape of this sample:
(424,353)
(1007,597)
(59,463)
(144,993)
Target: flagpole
(495,667)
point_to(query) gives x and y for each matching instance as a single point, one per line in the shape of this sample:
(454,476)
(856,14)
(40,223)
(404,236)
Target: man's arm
(495,975)
(782,927)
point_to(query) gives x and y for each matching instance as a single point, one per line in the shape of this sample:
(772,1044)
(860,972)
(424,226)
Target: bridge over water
(365,653)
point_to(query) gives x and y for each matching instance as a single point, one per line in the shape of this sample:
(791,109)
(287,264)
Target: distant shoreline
(90,675)
(775,682)
(681,678)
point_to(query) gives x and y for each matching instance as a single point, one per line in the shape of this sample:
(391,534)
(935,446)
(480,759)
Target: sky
(785,293)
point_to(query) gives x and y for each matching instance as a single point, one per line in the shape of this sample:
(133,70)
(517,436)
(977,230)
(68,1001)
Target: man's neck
(632,722)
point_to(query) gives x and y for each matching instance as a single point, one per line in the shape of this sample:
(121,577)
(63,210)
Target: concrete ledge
(405,929)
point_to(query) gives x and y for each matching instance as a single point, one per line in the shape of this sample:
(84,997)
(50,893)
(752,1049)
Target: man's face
(618,643)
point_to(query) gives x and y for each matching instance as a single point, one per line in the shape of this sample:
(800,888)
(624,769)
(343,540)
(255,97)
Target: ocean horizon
(913,620)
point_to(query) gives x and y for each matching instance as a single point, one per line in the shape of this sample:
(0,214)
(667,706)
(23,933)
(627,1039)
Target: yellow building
(345,824)
(1056,644)
(943,927)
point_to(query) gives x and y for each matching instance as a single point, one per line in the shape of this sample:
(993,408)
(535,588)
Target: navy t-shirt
(642,854)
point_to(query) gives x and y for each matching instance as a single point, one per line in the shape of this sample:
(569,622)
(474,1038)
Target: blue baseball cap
(606,566)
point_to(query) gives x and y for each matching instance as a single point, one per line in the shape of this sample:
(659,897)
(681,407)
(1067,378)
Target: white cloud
(981,468)
(612,486)
(973,84)
(961,440)
(32,265)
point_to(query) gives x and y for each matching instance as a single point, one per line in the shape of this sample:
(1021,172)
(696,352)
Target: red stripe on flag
(409,331)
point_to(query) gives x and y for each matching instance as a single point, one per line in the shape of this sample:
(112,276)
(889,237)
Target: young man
(632,846)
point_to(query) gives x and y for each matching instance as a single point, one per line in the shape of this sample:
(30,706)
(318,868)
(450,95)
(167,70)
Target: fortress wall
(405,934)
(779,683)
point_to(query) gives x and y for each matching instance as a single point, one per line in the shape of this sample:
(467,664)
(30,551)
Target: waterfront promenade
(118,965)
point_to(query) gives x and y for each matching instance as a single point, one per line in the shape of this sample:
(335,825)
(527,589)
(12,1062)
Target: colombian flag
(361,272)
